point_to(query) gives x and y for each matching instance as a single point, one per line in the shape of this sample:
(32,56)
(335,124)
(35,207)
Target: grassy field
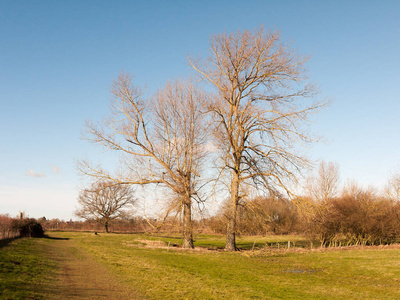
(138,264)
(25,272)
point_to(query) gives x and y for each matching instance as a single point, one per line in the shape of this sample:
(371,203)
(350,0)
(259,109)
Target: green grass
(242,242)
(160,274)
(262,274)
(25,273)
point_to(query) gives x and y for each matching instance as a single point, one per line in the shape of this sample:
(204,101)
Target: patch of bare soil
(81,277)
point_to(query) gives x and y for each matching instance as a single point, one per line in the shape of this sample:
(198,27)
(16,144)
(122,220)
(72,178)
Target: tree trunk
(231,228)
(106,225)
(187,224)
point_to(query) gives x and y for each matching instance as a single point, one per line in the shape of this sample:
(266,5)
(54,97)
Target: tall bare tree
(326,184)
(161,139)
(105,201)
(259,108)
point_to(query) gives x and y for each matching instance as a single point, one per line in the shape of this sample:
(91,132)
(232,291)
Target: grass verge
(25,272)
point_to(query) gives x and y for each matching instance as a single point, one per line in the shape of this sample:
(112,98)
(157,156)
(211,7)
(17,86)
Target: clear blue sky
(58,59)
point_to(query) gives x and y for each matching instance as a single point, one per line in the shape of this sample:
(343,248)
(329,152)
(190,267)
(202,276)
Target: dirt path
(81,277)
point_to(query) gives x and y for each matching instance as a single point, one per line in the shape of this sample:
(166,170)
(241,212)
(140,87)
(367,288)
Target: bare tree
(161,140)
(353,189)
(105,201)
(259,111)
(392,189)
(326,184)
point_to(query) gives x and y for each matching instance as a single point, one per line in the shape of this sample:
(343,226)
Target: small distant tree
(105,201)
(326,184)
(392,189)
(353,189)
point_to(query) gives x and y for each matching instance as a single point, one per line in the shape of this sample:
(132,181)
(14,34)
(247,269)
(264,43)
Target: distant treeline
(355,217)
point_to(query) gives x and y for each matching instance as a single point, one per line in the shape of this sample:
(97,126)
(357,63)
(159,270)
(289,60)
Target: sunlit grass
(166,273)
(242,242)
(25,273)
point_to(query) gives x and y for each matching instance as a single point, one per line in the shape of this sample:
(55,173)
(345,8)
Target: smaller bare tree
(353,189)
(326,184)
(105,201)
(392,189)
(161,141)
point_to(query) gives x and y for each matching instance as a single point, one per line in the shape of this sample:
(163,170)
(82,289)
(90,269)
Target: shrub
(259,216)
(28,228)
(362,218)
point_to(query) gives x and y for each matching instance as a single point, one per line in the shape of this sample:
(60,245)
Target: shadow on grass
(55,238)
(5,242)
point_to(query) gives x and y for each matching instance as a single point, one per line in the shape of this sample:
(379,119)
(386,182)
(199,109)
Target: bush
(362,219)
(259,216)
(28,228)
(268,215)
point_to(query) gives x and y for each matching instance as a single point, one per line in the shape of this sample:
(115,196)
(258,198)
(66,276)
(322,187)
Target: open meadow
(78,265)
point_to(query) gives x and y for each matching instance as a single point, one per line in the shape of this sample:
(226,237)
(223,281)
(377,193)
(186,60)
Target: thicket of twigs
(361,219)
(6,229)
